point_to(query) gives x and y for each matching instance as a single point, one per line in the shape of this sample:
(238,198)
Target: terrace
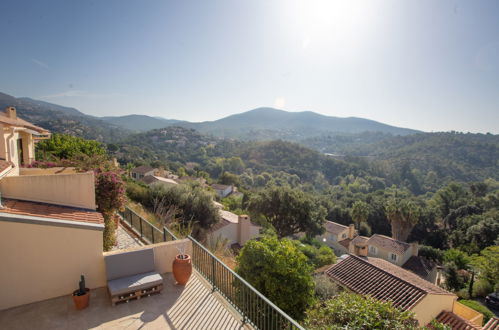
(214,298)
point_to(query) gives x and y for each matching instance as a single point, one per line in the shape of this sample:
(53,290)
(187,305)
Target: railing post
(213,274)
(164,234)
(140,223)
(152,234)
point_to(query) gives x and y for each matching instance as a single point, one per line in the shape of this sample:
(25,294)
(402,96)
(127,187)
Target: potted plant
(182,264)
(82,295)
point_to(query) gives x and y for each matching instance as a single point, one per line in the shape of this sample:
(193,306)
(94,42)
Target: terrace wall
(76,190)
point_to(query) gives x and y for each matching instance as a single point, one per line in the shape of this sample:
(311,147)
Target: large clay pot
(81,302)
(182,268)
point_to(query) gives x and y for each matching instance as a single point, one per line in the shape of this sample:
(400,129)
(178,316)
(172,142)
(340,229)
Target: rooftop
(419,265)
(360,240)
(382,280)
(217,186)
(143,169)
(152,178)
(177,307)
(388,243)
(334,228)
(50,211)
(13,120)
(454,321)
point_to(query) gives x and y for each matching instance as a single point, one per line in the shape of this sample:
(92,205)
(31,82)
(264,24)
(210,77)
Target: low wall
(431,305)
(77,190)
(47,171)
(40,262)
(468,313)
(164,253)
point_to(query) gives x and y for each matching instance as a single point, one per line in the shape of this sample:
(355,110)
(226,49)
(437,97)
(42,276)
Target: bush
(473,304)
(318,255)
(431,253)
(325,288)
(482,287)
(353,311)
(280,272)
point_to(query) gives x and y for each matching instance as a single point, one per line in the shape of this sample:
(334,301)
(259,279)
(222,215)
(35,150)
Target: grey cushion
(134,283)
(129,263)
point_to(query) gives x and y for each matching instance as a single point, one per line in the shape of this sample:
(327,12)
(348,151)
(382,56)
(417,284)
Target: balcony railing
(256,309)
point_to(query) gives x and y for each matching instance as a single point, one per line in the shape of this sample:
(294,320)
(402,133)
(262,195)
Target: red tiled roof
(345,242)
(388,243)
(492,324)
(51,211)
(419,265)
(21,123)
(334,228)
(4,165)
(143,169)
(454,321)
(360,241)
(382,280)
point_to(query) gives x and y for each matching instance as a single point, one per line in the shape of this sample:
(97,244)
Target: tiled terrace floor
(177,307)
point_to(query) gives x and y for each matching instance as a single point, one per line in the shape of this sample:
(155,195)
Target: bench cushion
(134,283)
(129,263)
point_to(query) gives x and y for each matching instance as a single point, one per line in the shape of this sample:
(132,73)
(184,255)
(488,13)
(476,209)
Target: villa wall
(76,190)
(468,313)
(431,305)
(39,262)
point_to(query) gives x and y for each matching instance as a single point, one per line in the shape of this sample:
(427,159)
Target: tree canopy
(280,272)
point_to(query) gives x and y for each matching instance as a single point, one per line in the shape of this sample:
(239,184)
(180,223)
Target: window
(373,250)
(393,257)
(344,236)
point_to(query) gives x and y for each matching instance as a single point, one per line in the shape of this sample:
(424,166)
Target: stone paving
(125,240)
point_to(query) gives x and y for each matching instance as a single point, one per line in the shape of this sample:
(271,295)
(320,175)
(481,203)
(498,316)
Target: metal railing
(255,308)
(146,230)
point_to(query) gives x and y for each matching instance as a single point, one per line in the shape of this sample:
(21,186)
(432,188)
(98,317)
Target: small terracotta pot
(81,302)
(182,268)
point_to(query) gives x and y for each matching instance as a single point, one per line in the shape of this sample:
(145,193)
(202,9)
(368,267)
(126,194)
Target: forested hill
(420,162)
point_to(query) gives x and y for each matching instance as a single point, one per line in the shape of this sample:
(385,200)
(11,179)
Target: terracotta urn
(81,301)
(182,268)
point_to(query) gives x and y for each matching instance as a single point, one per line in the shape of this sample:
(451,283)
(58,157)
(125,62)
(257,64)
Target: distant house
(237,229)
(142,171)
(153,179)
(337,236)
(222,190)
(397,252)
(386,281)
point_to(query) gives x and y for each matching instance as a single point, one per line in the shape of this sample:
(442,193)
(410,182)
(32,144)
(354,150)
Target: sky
(431,65)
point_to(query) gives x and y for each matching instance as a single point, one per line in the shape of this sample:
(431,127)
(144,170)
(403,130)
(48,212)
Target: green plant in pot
(82,295)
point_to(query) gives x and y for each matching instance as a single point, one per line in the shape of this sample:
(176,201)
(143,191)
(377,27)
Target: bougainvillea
(110,197)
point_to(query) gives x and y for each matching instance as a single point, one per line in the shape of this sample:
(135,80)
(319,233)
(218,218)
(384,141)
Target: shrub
(353,311)
(473,304)
(431,253)
(482,287)
(280,272)
(325,288)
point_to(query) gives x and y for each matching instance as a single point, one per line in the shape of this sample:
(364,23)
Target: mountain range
(260,124)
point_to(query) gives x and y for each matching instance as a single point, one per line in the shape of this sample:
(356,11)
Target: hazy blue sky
(427,64)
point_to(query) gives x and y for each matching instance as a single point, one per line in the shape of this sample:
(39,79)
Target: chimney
(414,248)
(351,231)
(243,229)
(361,251)
(11,112)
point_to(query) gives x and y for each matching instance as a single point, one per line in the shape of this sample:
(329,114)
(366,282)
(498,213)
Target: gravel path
(125,240)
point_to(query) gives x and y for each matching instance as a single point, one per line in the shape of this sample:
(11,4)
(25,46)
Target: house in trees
(386,281)
(237,229)
(222,190)
(142,171)
(337,236)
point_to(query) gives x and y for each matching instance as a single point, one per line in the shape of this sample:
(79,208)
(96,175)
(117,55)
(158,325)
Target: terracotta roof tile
(388,243)
(382,281)
(334,228)
(360,241)
(345,243)
(4,165)
(21,123)
(419,265)
(492,324)
(51,211)
(142,169)
(454,321)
